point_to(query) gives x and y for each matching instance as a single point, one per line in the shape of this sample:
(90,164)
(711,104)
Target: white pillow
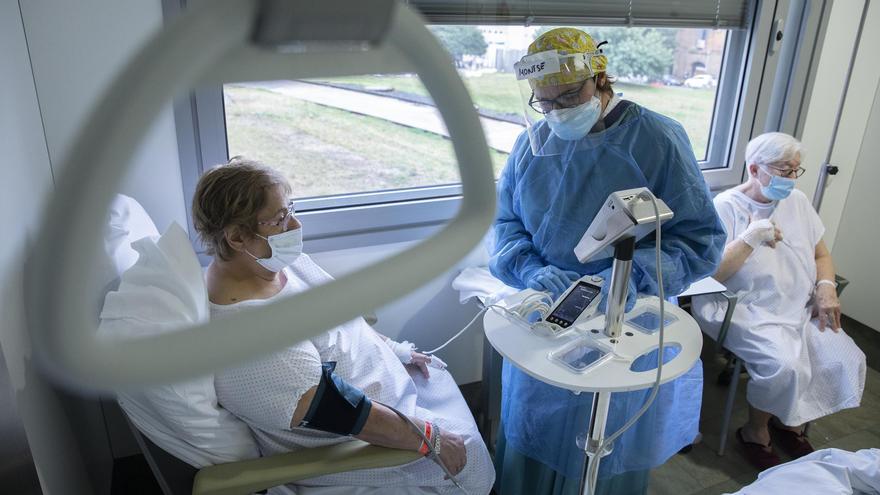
(162,292)
(127,222)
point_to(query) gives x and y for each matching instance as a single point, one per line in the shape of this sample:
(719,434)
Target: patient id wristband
(423,448)
(825,281)
(436,442)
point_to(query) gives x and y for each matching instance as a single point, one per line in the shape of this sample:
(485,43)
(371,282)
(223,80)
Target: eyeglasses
(286,215)
(789,173)
(565,100)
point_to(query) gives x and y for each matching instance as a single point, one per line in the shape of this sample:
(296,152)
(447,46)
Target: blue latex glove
(630,296)
(551,279)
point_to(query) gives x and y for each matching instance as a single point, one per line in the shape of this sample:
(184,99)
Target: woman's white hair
(772,147)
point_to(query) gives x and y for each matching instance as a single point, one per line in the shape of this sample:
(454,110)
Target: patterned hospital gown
(265,392)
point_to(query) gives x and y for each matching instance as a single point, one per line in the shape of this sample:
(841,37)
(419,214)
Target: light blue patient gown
(545,203)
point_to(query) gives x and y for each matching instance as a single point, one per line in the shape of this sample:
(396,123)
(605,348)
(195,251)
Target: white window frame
(752,85)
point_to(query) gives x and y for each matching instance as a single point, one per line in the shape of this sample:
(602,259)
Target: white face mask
(286,248)
(575,122)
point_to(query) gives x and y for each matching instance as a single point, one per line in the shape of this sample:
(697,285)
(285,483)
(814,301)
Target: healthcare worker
(582,143)
(786,325)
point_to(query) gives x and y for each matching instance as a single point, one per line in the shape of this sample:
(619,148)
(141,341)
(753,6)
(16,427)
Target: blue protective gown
(545,204)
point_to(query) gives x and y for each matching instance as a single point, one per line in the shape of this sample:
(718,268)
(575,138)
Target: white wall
(27,181)
(858,238)
(850,205)
(76,49)
(824,102)
(55,59)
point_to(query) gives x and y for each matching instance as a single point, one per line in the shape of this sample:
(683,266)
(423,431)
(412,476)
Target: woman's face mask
(286,248)
(575,122)
(778,188)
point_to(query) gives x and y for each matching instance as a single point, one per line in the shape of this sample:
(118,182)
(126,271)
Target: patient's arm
(302,407)
(827,305)
(737,251)
(735,255)
(385,428)
(824,263)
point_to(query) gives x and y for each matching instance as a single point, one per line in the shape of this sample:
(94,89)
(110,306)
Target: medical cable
(593,469)
(539,302)
(482,311)
(435,457)
(532,303)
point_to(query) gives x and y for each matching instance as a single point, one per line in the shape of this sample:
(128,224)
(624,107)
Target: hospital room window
(373,138)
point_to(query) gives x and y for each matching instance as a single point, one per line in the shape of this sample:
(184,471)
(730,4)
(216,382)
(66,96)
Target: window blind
(724,14)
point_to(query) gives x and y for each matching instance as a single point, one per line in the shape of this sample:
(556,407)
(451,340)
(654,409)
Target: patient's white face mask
(286,248)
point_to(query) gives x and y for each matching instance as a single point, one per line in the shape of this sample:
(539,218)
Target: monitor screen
(574,304)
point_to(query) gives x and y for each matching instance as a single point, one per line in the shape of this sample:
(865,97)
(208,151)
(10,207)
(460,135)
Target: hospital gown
(265,392)
(545,204)
(824,472)
(797,373)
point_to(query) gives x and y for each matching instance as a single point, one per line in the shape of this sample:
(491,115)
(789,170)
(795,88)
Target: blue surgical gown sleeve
(693,240)
(515,255)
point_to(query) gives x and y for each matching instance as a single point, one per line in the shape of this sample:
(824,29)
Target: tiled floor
(703,472)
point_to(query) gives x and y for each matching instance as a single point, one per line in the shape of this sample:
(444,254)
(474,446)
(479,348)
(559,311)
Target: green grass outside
(326,151)
(498,92)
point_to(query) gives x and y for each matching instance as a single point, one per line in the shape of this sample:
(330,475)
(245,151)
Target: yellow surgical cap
(568,40)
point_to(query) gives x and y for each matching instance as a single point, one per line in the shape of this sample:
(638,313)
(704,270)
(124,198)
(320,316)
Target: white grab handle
(188,52)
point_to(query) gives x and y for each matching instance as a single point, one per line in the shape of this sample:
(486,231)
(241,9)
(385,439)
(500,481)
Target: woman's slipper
(757,453)
(793,443)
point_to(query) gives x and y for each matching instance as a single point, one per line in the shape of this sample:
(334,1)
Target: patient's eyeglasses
(286,216)
(789,173)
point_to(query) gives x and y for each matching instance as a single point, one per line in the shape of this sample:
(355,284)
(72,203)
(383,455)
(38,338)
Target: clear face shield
(560,104)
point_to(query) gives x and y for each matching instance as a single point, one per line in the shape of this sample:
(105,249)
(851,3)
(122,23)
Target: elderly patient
(786,326)
(332,387)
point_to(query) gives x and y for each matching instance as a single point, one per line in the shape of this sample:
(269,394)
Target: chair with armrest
(237,478)
(176,477)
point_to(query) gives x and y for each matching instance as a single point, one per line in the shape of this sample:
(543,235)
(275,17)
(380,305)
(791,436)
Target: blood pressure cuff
(337,407)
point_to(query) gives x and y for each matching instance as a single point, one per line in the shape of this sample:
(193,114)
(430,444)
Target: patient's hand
(452,452)
(421,361)
(827,307)
(761,232)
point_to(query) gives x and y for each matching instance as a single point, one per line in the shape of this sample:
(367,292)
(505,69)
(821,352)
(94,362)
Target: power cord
(432,351)
(593,471)
(539,302)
